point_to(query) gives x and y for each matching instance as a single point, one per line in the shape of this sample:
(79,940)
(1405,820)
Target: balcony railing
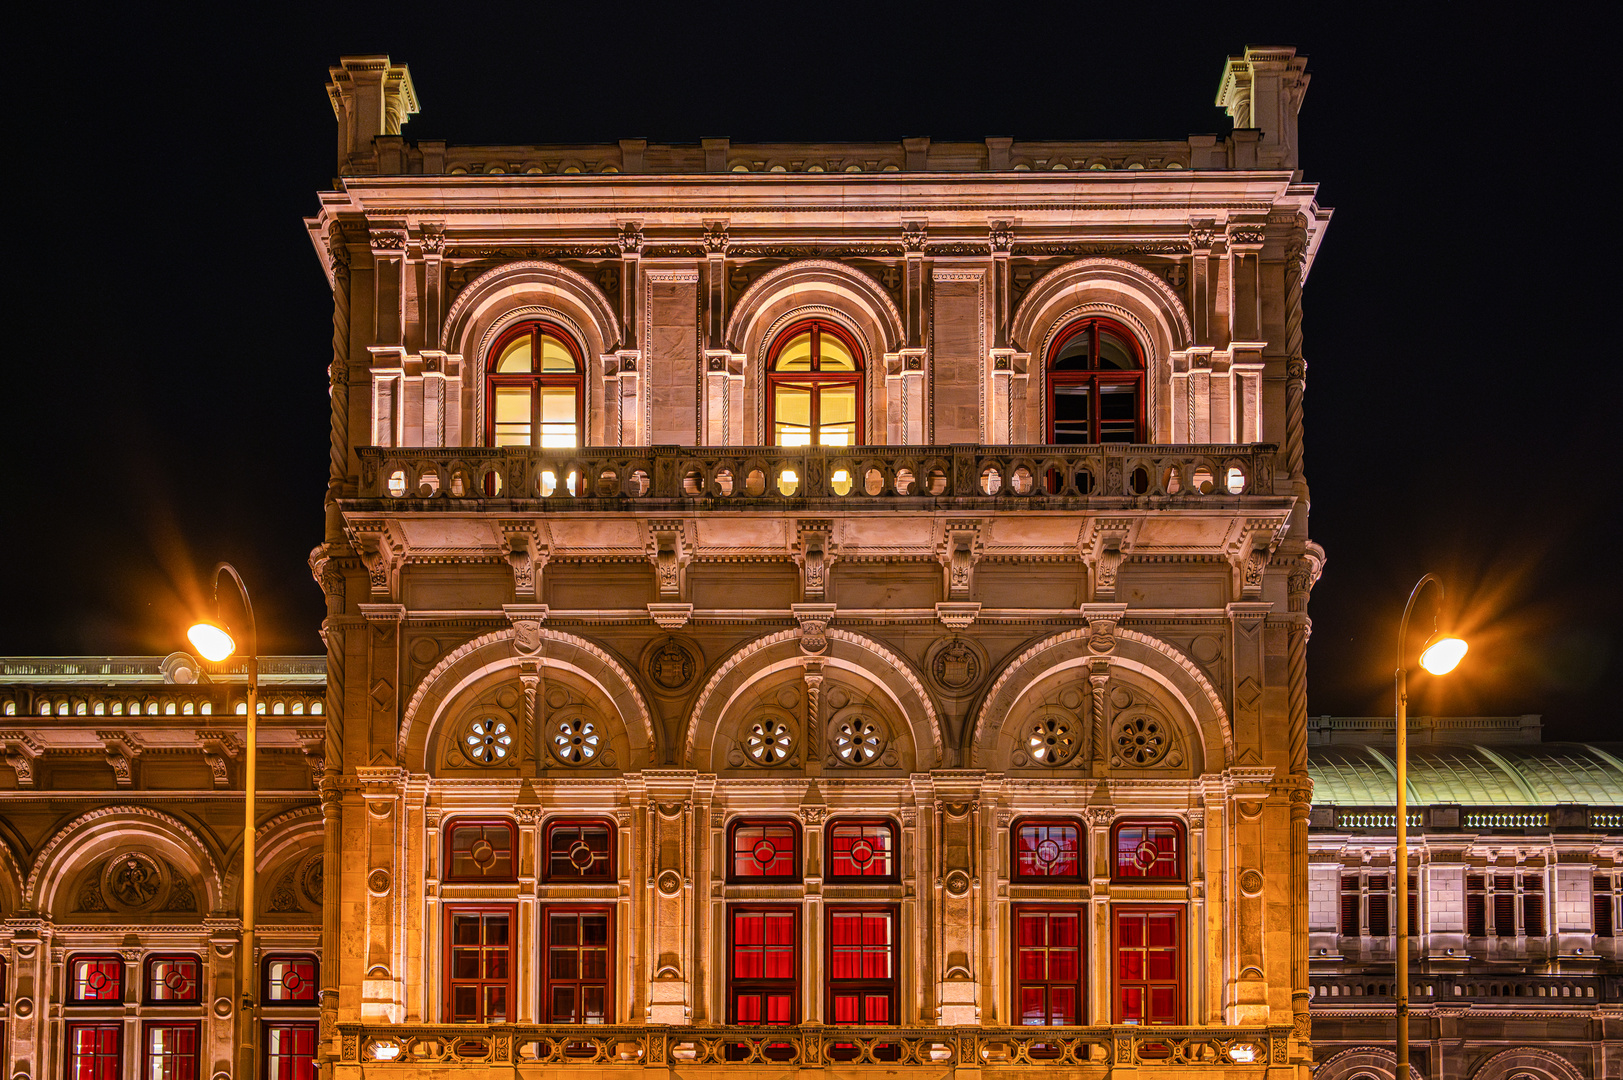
(870,477)
(597,1048)
(1353,990)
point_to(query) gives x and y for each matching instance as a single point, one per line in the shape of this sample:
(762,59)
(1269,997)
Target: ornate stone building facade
(1514,861)
(789,607)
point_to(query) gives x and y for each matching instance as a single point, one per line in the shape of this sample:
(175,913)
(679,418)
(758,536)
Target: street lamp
(211,638)
(1440,655)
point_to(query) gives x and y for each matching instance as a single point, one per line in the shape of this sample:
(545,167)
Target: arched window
(1148,849)
(533,389)
(814,391)
(173,980)
(1095,385)
(1046,849)
(861,850)
(763,850)
(480,850)
(579,850)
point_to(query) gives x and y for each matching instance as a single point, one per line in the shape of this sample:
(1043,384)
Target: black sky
(165,398)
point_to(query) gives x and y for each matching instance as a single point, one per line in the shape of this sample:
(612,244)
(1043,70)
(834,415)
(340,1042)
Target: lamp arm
(247,604)
(1403,627)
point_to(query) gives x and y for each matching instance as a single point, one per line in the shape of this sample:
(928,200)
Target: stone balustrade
(828,477)
(600,1048)
(1356,990)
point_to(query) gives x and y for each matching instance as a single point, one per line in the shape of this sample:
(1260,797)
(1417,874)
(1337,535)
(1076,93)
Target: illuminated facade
(803,607)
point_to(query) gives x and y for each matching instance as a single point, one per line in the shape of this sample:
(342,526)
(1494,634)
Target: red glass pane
(290,1052)
(778,1008)
(578,967)
(1147,965)
(93,1051)
(1061,1005)
(748,1009)
(764,850)
(860,850)
(1048,966)
(877,1008)
(1047,849)
(171,1052)
(481,966)
(1033,1005)
(97,978)
(845,1009)
(172,978)
(290,979)
(1146,850)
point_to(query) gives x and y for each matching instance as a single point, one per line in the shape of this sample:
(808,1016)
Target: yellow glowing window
(816,387)
(534,389)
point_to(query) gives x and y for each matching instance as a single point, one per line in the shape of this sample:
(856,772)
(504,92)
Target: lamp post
(211,638)
(1440,655)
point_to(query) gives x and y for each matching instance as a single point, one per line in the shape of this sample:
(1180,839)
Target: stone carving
(669,883)
(857,739)
(957,883)
(914,236)
(770,740)
(814,620)
(715,239)
(959,550)
(668,552)
(575,740)
(90,898)
(312,879)
(671,666)
(630,238)
(1053,739)
(377,882)
(1251,882)
(814,554)
(1141,740)
(487,740)
(956,666)
(133,881)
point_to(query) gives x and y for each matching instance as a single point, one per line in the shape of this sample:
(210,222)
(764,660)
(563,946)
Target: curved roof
(1529,775)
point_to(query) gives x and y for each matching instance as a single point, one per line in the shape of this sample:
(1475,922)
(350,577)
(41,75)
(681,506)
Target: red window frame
(105,1060)
(1148,848)
(737,856)
(1034,979)
(550,836)
(761,990)
(838,849)
(1094,377)
(150,985)
(111,965)
(180,1062)
(868,993)
(482,982)
(306,971)
(1022,869)
(294,1059)
(534,379)
(485,827)
(580,983)
(1138,958)
(815,378)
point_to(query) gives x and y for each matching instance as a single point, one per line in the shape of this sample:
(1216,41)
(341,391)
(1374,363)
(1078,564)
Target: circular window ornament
(858,740)
(581,856)
(1052,740)
(576,741)
(1145,855)
(487,741)
(861,853)
(483,854)
(1141,740)
(769,741)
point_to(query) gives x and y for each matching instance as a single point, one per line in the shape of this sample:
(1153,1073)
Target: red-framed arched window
(1147,850)
(173,980)
(95,979)
(533,388)
(814,386)
(1047,849)
(481,850)
(579,849)
(290,979)
(861,850)
(1095,384)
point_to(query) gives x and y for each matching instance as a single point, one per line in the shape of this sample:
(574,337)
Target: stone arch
(516,291)
(1148,656)
(1120,290)
(101,831)
(1527,1061)
(11,881)
(813,288)
(282,846)
(1363,1061)
(850,652)
(477,660)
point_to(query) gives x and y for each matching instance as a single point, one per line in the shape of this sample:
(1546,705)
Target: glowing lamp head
(1443,653)
(212,641)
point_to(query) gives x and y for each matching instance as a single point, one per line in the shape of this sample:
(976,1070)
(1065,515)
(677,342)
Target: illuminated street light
(1440,655)
(216,643)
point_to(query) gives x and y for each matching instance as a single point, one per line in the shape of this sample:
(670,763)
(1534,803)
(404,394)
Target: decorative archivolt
(499,651)
(11,880)
(776,652)
(64,853)
(296,828)
(1153,303)
(1149,656)
(1527,1061)
(811,281)
(531,282)
(1360,1061)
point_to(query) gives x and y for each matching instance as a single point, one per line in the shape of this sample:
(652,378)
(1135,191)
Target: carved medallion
(671,665)
(670,883)
(955,666)
(311,882)
(1251,882)
(134,882)
(377,882)
(957,883)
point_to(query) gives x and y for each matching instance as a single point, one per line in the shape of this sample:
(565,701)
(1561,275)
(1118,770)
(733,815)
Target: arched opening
(1095,385)
(533,389)
(814,391)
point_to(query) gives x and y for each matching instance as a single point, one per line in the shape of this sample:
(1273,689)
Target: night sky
(166,402)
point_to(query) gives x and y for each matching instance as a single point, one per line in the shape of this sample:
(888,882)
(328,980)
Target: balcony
(1377,990)
(823,478)
(503,1046)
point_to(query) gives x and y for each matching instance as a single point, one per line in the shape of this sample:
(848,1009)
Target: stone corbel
(958,550)
(220,748)
(813,620)
(1102,622)
(526,555)
(122,750)
(375,544)
(814,551)
(313,742)
(20,751)
(1250,555)
(957,616)
(667,550)
(670,617)
(1103,550)
(526,620)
